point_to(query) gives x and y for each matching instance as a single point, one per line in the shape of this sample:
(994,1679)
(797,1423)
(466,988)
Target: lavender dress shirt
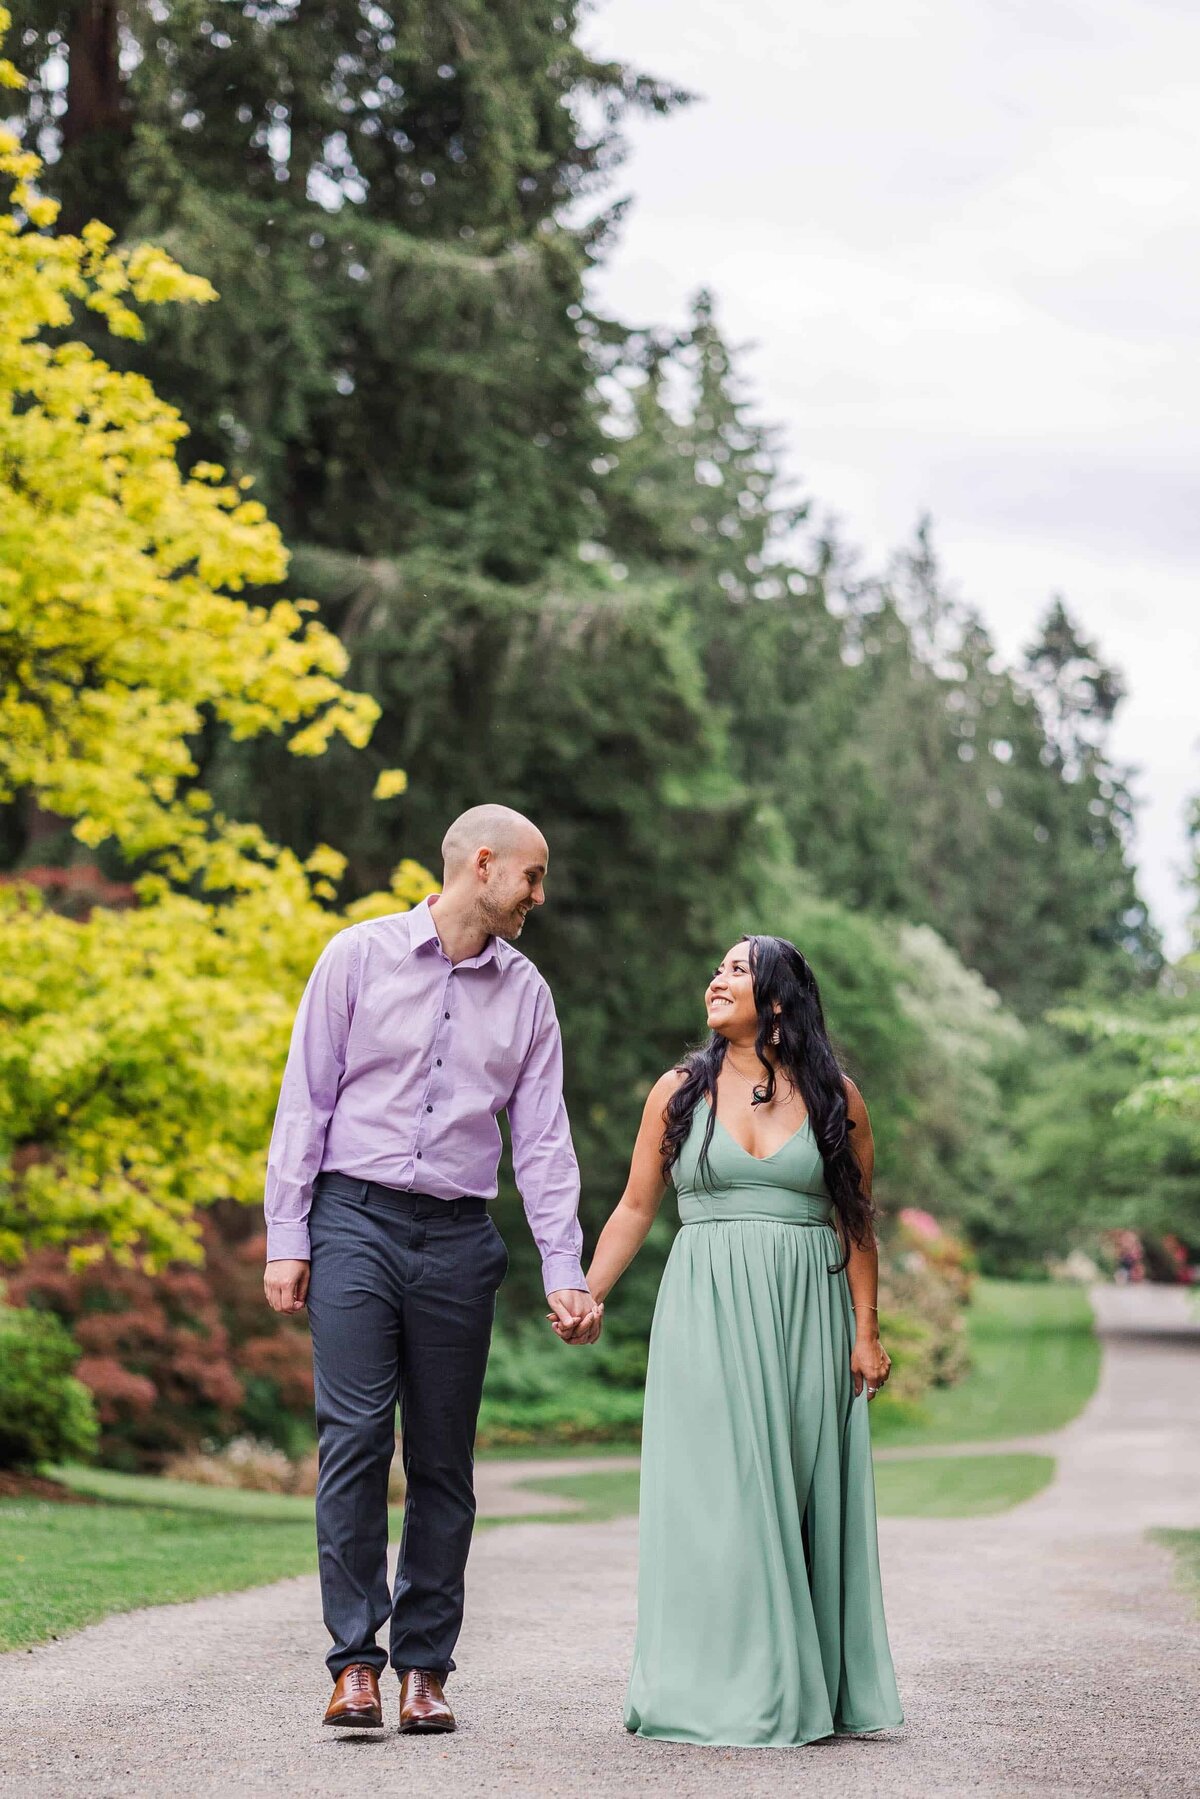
(399,1064)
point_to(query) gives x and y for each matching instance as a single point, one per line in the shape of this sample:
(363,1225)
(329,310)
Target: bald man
(414,1033)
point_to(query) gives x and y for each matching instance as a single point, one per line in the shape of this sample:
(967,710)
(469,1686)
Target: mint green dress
(760,1615)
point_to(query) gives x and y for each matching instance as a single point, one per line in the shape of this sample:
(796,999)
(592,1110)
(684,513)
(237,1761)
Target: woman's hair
(782,978)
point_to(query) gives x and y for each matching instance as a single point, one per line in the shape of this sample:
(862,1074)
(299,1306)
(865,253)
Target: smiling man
(414,1033)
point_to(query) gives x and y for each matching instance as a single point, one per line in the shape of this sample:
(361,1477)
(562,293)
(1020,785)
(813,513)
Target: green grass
(966,1486)
(608,1493)
(151,1542)
(64,1566)
(557,1452)
(1186,1544)
(1035,1360)
(184,1496)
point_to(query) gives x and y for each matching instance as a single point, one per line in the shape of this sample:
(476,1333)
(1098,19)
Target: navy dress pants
(402,1294)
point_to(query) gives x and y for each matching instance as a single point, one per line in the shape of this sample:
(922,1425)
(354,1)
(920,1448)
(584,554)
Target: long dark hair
(782,978)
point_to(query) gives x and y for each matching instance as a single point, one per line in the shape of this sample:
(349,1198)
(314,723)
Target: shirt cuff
(563,1271)
(288,1243)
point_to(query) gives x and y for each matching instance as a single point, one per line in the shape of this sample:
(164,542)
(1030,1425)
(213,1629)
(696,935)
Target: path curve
(1048,1651)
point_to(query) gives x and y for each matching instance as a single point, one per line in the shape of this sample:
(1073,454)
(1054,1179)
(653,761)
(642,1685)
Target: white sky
(963,237)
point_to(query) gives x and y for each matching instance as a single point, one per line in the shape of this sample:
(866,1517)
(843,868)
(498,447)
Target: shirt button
(446,1014)
(418,1155)
(429,1108)
(439,1061)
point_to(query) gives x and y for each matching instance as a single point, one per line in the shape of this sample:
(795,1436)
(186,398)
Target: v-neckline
(749,1152)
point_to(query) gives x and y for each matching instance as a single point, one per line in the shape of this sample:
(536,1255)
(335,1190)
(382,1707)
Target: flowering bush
(922,1243)
(924,1286)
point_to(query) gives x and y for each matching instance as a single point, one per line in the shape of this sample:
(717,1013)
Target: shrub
(185,1356)
(46,1415)
(539,1391)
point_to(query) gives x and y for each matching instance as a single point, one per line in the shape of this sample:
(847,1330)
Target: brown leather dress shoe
(356,1704)
(423,1703)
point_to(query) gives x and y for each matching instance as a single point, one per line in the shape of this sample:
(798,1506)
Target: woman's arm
(870,1361)
(635,1211)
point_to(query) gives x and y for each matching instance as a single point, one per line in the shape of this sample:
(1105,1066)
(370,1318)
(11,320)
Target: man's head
(495,861)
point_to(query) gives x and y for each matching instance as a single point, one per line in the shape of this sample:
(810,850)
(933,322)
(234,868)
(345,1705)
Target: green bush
(539,1390)
(46,1415)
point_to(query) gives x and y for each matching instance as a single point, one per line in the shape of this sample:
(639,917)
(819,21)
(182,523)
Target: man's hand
(575,1316)
(286,1285)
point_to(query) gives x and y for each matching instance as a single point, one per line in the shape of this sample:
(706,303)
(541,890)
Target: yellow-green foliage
(143,1047)
(119,624)
(142,1056)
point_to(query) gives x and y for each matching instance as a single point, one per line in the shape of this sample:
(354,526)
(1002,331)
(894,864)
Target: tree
(379,195)
(1089,807)
(911,771)
(143,1053)
(121,625)
(144,1044)
(1164,1040)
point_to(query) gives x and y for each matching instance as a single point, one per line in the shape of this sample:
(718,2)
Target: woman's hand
(585,1329)
(869,1362)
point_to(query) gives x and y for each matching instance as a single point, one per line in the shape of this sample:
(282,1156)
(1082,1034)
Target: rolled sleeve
(544,1156)
(315,1064)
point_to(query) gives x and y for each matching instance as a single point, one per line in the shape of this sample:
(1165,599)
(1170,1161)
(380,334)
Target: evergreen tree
(912,773)
(377,193)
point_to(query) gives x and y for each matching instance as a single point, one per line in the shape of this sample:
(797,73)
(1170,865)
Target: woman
(760,1617)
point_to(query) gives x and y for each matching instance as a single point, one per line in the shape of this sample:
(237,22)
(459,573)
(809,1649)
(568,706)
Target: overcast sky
(964,238)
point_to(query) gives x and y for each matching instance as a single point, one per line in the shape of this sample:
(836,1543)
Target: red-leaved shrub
(184,1356)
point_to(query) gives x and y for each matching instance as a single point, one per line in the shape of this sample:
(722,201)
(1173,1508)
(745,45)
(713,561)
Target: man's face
(514,887)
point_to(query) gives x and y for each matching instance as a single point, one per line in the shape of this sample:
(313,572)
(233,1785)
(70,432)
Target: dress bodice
(788,1185)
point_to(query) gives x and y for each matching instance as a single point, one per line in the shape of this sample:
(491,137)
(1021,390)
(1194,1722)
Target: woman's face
(729,997)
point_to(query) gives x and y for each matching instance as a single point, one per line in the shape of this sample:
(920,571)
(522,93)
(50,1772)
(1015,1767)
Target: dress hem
(835,1730)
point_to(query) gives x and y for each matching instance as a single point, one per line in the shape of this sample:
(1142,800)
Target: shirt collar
(424,931)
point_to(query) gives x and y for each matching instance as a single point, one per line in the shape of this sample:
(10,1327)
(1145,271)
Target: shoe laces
(359,1678)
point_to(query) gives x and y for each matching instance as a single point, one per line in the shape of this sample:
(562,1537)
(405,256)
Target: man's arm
(545,1166)
(315,1065)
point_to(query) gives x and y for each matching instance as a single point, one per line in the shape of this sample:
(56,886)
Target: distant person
(760,1616)
(414,1033)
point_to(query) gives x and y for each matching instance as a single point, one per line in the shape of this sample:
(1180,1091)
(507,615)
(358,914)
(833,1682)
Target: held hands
(286,1285)
(869,1363)
(574,1316)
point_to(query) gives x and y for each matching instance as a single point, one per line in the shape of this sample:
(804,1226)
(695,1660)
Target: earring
(773,1039)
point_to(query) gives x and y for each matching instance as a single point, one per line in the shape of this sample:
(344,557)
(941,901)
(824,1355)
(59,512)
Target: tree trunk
(96,122)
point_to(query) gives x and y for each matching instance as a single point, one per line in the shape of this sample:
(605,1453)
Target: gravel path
(1047,1651)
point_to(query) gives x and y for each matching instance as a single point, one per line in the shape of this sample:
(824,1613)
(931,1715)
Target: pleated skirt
(760,1611)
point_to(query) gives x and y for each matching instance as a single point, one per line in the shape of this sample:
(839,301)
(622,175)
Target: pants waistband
(399,1199)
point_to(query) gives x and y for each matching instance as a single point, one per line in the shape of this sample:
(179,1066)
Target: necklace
(758,1091)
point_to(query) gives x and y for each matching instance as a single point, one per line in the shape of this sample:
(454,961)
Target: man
(414,1032)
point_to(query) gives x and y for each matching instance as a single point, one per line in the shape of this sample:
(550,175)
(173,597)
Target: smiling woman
(760,1616)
